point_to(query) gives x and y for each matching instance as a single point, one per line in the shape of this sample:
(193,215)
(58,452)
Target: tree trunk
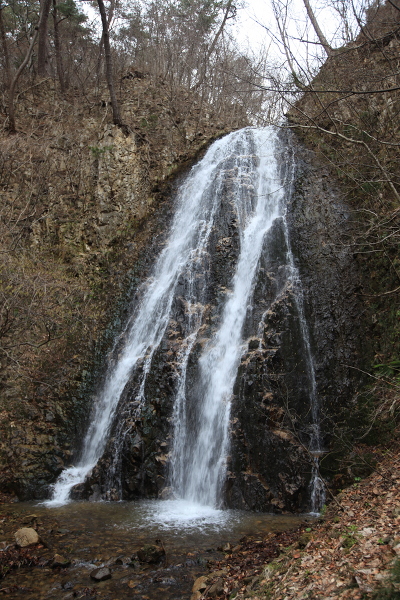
(212,46)
(5,48)
(11,91)
(57,47)
(282,27)
(42,43)
(109,70)
(323,41)
(101,43)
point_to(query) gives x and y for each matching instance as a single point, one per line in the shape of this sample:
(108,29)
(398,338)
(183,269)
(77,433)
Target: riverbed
(92,535)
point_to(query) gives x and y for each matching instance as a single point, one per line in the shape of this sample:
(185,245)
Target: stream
(91,535)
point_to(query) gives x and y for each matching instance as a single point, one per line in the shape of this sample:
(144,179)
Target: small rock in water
(101,574)
(60,561)
(134,563)
(68,585)
(168,581)
(26,536)
(166,494)
(151,554)
(30,519)
(96,493)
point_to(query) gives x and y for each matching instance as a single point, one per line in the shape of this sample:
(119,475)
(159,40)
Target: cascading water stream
(199,453)
(315,448)
(245,164)
(315,442)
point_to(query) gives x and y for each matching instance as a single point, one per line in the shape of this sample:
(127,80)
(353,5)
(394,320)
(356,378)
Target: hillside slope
(353,551)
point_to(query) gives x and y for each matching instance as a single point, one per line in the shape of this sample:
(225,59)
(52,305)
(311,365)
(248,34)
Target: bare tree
(324,42)
(280,10)
(14,81)
(5,47)
(57,48)
(213,44)
(117,119)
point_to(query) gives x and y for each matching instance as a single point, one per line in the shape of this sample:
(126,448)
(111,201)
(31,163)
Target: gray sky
(249,32)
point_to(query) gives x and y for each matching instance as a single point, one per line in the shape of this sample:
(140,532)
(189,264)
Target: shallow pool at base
(96,534)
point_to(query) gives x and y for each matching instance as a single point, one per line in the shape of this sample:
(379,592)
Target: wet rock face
(271,421)
(321,231)
(269,466)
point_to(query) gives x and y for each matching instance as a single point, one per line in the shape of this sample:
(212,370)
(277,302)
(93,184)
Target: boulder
(26,536)
(101,574)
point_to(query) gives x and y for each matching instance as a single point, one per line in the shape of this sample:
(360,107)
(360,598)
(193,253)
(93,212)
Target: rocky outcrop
(136,459)
(108,233)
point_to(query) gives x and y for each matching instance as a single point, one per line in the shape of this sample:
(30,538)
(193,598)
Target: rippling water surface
(96,534)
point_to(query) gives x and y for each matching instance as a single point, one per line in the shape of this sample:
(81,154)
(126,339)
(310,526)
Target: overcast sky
(248,31)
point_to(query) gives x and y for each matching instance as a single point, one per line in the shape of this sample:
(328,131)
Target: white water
(199,453)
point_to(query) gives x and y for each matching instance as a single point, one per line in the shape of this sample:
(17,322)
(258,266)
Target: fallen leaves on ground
(347,554)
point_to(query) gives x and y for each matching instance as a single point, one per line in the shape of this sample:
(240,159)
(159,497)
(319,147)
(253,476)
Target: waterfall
(199,452)
(317,487)
(241,170)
